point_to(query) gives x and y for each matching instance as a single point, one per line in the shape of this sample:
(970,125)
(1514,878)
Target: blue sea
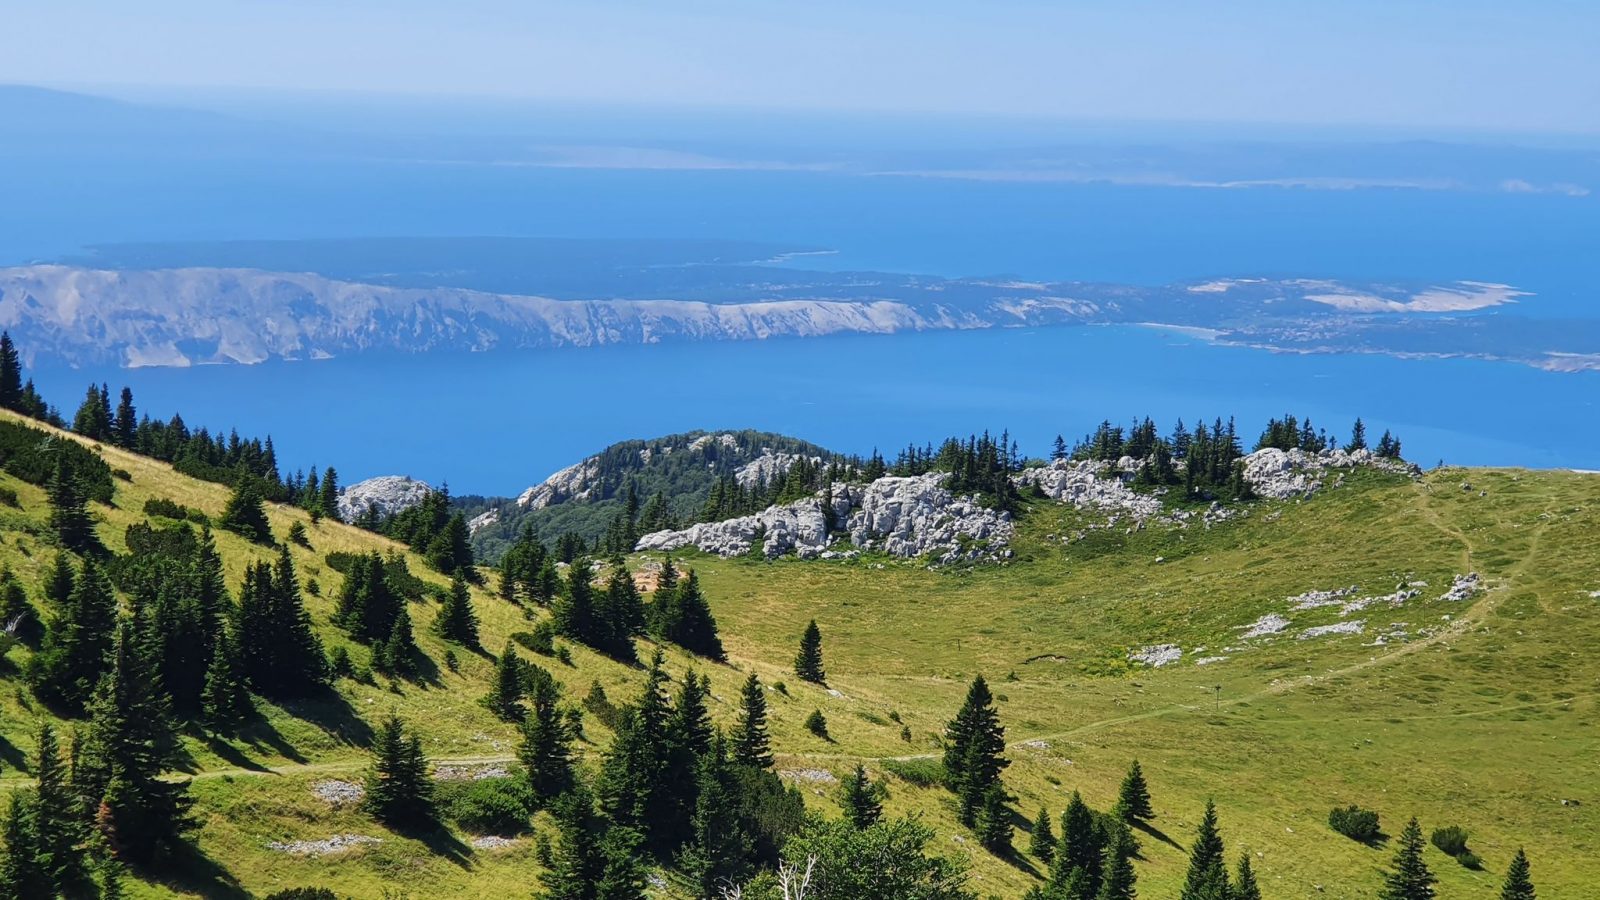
(495,423)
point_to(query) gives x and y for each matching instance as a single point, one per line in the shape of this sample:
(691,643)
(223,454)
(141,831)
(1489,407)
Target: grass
(1485,719)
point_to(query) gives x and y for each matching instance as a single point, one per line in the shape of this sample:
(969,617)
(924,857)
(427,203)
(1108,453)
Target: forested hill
(670,479)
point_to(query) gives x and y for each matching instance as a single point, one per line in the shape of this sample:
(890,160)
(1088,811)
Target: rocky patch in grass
(339,843)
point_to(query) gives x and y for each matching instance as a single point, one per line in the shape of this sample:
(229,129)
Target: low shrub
(488,805)
(1355,823)
(1469,859)
(167,509)
(920,772)
(1451,840)
(816,724)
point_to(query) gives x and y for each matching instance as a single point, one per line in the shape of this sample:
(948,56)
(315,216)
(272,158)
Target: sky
(1476,64)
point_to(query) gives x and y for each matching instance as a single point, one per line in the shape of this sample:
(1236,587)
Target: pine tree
(399,790)
(399,653)
(126,423)
(1042,841)
(1081,846)
(808,664)
(1519,883)
(10,374)
(719,842)
(1117,878)
(282,654)
(129,745)
(21,875)
(974,742)
(57,814)
(505,697)
(751,745)
(633,776)
(687,620)
(225,700)
(69,508)
(575,611)
(244,514)
(328,495)
(1358,437)
(450,551)
(72,658)
(573,868)
(1244,882)
(546,751)
(861,799)
(17,616)
(1208,872)
(456,620)
(1133,799)
(1410,878)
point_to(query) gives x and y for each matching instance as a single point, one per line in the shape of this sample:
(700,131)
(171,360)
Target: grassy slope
(1488,723)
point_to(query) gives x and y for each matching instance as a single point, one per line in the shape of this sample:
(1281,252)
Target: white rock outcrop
(767,468)
(1284,474)
(575,482)
(906,517)
(1157,655)
(1090,484)
(389,494)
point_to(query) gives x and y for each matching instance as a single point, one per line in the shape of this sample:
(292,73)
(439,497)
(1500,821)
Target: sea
(495,423)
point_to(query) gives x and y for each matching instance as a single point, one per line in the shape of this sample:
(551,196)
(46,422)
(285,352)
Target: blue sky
(1463,64)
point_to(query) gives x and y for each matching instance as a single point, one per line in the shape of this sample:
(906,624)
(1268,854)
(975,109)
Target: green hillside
(1482,715)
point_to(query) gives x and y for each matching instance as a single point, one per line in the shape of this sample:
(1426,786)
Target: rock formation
(388,493)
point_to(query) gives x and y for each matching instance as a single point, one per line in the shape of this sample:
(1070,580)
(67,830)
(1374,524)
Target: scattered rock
(1463,588)
(493,842)
(1315,599)
(816,776)
(1091,484)
(325,847)
(1209,660)
(339,793)
(1317,631)
(470,772)
(1268,624)
(1285,474)
(1157,655)
(1396,599)
(1035,745)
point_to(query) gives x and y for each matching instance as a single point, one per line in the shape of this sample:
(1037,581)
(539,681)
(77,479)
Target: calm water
(495,423)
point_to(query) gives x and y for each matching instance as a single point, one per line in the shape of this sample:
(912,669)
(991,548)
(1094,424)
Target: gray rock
(389,494)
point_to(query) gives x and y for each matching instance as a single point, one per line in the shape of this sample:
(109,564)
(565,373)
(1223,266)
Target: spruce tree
(400,652)
(719,842)
(751,745)
(993,823)
(1207,878)
(282,655)
(689,622)
(129,745)
(456,620)
(1042,841)
(974,742)
(17,616)
(126,424)
(10,374)
(505,696)
(574,865)
(244,515)
(633,776)
(69,508)
(861,799)
(328,495)
(225,699)
(1117,878)
(1244,882)
(450,551)
(1133,799)
(1081,847)
(575,615)
(546,751)
(399,789)
(808,664)
(1409,878)
(57,814)
(1519,883)
(21,875)
(72,658)
(1358,437)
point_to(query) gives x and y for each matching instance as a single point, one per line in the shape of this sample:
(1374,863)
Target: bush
(1355,823)
(297,534)
(340,664)
(541,640)
(122,474)
(8,496)
(1469,859)
(1451,840)
(816,724)
(166,509)
(601,707)
(920,772)
(488,805)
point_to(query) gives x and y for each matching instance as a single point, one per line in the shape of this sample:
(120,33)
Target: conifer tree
(72,658)
(58,586)
(368,604)
(1358,437)
(575,610)
(244,514)
(1519,882)
(399,790)
(282,655)
(398,655)
(328,495)
(686,620)
(456,620)
(633,776)
(21,875)
(17,615)
(808,664)
(546,751)
(751,745)
(861,799)
(974,742)
(993,822)
(1117,878)
(69,508)
(10,374)
(505,696)
(1244,882)
(450,551)
(1081,847)
(128,747)
(57,814)
(575,863)
(1042,841)
(1133,798)
(719,842)
(1208,872)
(225,699)
(1409,878)
(126,424)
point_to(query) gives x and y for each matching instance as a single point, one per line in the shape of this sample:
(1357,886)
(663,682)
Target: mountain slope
(1481,714)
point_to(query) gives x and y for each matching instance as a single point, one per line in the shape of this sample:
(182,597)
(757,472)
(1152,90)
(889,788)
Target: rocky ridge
(389,494)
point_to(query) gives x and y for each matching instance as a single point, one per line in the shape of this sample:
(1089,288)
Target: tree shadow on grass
(334,715)
(1151,830)
(188,871)
(439,841)
(13,757)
